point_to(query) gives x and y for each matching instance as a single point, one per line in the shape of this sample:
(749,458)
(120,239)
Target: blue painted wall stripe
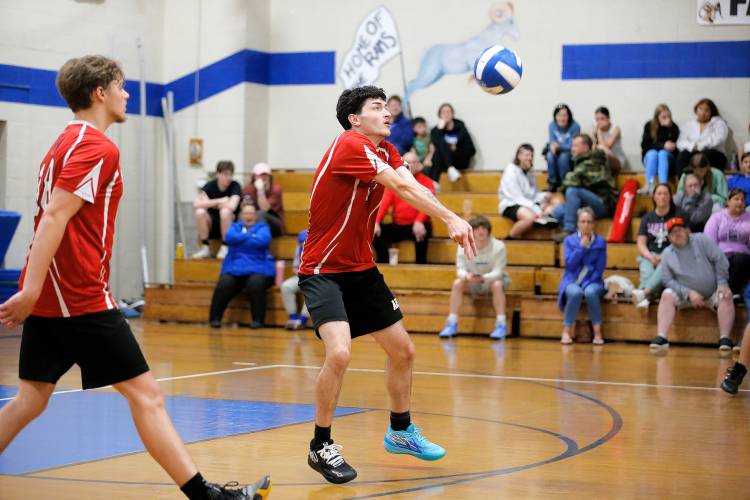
(37,86)
(657,60)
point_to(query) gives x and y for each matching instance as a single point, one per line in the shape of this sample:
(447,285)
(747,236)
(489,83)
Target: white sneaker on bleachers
(222,252)
(203,253)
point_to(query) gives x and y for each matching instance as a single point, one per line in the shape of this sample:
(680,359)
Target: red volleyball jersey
(86,163)
(343,205)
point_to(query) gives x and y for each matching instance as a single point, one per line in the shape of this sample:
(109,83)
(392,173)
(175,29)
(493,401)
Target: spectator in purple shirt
(730,229)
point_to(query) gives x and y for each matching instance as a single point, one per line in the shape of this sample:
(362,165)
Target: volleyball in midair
(498,70)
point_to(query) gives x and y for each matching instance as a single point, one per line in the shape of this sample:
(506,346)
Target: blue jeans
(575,198)
(557,166)
(657,163)
(592,293)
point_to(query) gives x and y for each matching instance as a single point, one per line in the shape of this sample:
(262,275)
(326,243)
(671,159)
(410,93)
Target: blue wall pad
(656,60)
(85,426)
(37,86)
(8,224)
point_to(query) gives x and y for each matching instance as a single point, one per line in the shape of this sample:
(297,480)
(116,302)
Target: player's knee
(149,396)
(339,358)
(31,406)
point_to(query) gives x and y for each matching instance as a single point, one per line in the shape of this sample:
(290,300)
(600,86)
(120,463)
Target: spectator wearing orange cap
(695,273)
(267,198)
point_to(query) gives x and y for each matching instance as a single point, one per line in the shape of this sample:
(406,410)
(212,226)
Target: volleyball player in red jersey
(344,291)
(70,315)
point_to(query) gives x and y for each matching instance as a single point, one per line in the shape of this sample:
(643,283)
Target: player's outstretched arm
(403,185)
(62,206)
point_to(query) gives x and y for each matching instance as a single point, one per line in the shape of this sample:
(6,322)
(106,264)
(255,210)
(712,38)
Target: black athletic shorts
(360,298)
(102,344)
(512,212)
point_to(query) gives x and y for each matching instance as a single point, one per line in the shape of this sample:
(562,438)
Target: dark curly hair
(79,77)
(351,102)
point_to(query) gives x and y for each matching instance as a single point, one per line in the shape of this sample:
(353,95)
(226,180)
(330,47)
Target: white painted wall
(291,126)
(499,123)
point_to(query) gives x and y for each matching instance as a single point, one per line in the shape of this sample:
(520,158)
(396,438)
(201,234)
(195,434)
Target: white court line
(433,374)
(242,363)
(526,379)
(180,377)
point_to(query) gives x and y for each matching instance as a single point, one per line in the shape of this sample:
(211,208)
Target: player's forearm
(49,234)
(424,200)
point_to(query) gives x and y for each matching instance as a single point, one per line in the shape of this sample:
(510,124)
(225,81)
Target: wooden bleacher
(534,266)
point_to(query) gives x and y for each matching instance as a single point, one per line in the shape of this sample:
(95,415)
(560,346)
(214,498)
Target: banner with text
(375,44)
(718,12)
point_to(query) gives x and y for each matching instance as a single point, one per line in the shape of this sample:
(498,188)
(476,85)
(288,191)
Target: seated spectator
(267,198)
(561,130)
(520,198)
(248,266)
(730,229)
(707,133)
(659,147)
(481,275)
(454,148)
(608,138)
(216,208)
(712,180)
(421,143)
(695,274)
(401,126)
(742,180)
(651,242)
(589,184)
(290,288)
(744,149)
(408,222)
(585,260)
(695,205)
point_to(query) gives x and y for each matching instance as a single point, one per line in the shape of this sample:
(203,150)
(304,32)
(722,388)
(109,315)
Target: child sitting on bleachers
(290,289)
(479,276)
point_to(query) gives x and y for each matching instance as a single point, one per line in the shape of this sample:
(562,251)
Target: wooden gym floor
(522,418)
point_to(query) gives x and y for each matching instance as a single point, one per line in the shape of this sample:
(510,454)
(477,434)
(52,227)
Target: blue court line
(36,86)
(88,426)
(726,59)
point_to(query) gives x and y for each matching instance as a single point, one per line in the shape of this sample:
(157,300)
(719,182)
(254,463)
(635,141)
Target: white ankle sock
(453,318)
(500,318)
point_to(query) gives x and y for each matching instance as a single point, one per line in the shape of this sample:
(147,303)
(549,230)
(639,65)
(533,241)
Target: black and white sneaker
(328,461)
(733,379)
(659,342)
(725,344)
(233,490)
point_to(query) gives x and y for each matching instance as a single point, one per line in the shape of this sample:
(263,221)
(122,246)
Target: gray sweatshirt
(699,266)
(489,262)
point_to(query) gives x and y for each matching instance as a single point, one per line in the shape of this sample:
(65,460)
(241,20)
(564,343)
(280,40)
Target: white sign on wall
(375,44)
(718,12)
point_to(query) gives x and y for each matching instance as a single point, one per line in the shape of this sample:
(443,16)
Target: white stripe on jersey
(341,229)
(378,164)
(63,306)
(323,170)
(78,140)
(107,200)
(325,258)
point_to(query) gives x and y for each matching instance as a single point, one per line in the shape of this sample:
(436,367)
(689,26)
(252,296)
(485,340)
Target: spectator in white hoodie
(520,198)
(707,133)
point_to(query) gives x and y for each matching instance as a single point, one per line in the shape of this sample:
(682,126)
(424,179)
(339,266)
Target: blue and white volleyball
(498,70)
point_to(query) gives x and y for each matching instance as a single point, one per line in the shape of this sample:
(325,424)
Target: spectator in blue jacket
(742,180)
(562,129)
(585,260)
(402,133)
(247,266)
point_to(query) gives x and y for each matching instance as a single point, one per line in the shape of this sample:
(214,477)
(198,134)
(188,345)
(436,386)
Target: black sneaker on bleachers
(328,461)
(659,342)
(733,379)
(725,344)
